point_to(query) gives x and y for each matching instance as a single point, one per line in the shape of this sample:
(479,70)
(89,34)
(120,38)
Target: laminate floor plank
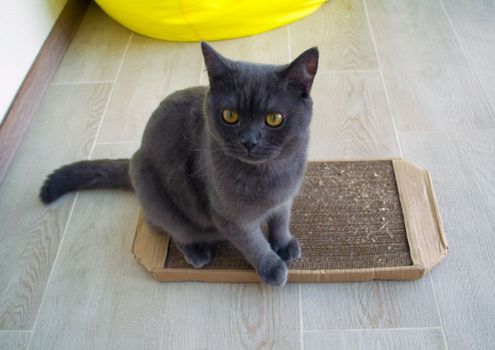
(30,231)
(429,80)
(14,340)
(351,118)
(96,50)
(340,30)
(474,23)
(151,71)
(462,167)
(404,339)
(376,304)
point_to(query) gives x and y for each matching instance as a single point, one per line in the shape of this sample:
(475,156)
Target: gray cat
(218,163)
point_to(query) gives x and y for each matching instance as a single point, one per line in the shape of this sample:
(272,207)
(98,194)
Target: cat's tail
(104,173)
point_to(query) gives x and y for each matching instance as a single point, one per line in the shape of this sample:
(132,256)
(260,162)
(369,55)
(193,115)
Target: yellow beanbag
(193,20)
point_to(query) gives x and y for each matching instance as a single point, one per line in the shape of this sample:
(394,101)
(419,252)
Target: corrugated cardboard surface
(355,221)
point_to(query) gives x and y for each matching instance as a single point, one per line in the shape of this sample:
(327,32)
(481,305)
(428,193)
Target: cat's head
(258,112)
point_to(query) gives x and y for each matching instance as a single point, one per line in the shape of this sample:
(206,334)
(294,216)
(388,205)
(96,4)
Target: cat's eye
(274,119)
(229,116)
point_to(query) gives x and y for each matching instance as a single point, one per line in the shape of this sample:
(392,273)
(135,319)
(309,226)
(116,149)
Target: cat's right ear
(301,72)
(216,65)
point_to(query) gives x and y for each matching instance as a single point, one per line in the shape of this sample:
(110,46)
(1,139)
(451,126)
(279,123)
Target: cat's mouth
(252,157)
(256,155)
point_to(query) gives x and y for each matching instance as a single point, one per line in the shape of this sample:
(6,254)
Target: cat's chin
(252,159)
(255,158)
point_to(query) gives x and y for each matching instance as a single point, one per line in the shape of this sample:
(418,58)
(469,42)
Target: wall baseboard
(37,80)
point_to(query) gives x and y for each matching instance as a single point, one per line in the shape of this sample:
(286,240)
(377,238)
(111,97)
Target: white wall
(24,26)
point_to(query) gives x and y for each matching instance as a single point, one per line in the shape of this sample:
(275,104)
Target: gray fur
(197,181)
(88,174)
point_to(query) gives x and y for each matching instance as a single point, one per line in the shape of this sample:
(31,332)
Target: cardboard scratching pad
(355,220)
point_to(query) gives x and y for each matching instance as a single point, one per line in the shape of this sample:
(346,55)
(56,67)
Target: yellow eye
(230,116)
(274,119)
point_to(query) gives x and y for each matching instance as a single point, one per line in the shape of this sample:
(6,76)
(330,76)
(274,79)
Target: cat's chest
(259,189)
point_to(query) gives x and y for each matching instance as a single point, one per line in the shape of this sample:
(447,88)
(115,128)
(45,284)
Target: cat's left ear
(216,65)
(301,72)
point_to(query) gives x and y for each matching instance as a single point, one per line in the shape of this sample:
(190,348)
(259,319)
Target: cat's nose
(249,144)
(249,140)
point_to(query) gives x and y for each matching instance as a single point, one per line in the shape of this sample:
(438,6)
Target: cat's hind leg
(196,251)
(196,254)
(161,213)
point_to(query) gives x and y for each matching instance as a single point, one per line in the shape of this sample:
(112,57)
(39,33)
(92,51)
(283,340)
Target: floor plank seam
(77,194)
(387,97)
(468,60)
(111,93)
(444,336)
(370,329)
(57,254)
(82,82)
(301,317)
(347,71)
(110,143)
(457,132)
(16,330)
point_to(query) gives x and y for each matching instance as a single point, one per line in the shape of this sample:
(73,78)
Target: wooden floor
(412,78)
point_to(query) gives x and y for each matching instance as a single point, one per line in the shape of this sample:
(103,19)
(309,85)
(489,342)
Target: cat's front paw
(196,254)
(274,271)
(291,251)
